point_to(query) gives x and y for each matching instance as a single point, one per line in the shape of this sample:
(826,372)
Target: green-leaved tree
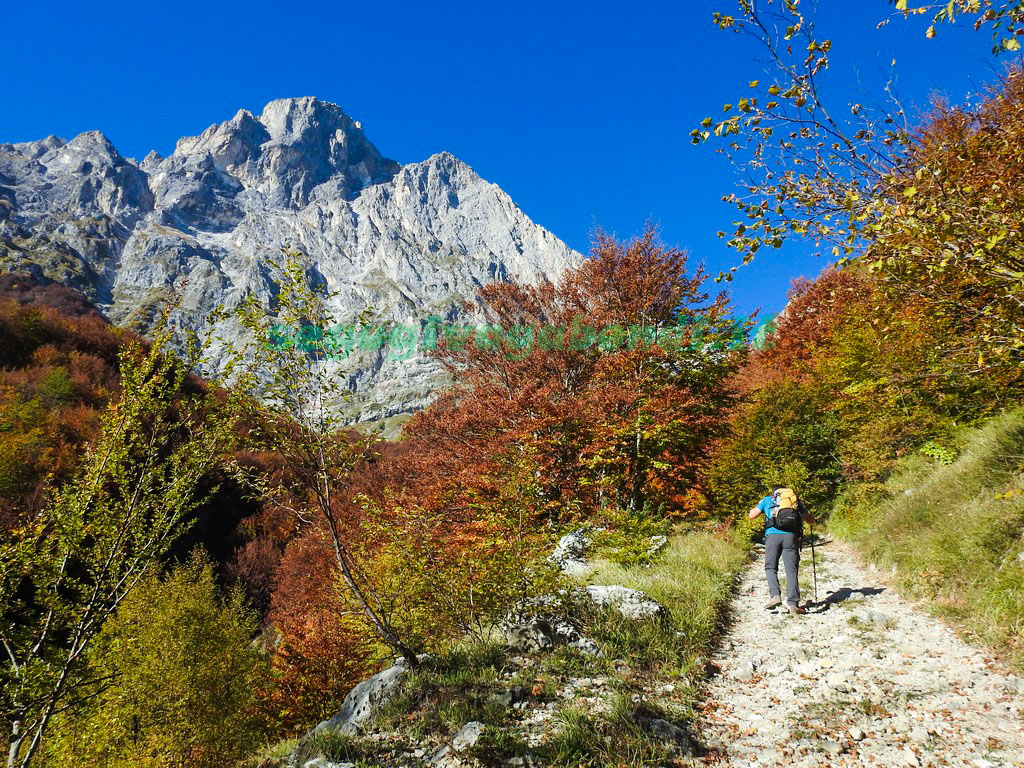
(65,571)
(295,401)
(183,674)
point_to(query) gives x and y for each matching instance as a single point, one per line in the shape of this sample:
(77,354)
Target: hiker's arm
(806,516)
(754,513)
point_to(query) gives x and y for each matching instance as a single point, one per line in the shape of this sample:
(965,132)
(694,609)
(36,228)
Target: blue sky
(580,111)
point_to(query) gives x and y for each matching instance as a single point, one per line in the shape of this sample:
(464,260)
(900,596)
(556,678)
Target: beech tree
(184,673)
(66,569)
(954,239)
(1004,18)
(932,208)
(462,567)
(294,402)
(616,397)
(808,165)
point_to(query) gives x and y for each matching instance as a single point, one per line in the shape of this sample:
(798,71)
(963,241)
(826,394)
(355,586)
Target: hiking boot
(774,602)
(794,608)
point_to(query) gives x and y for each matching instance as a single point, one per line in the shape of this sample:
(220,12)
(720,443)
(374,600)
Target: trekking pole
(814,566)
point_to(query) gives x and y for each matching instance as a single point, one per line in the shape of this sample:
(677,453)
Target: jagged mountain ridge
(406,241)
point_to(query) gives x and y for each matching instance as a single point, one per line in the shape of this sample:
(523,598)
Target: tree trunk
(16,739)
(383,630)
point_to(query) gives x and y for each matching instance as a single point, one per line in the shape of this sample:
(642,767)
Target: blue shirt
(765,505)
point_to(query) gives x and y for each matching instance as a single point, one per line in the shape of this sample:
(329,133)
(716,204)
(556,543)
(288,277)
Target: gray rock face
(586,646)
(541,623)
(669,733)
(407,242)
(366,699)
(68,207)
(530,637)
(631,603)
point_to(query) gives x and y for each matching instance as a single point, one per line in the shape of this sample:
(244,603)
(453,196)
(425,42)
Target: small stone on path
(832,747)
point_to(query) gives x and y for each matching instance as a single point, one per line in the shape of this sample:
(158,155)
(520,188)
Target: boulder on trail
(744,672)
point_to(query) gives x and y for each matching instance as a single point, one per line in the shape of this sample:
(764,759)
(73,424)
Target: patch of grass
(646,643)
(611,739)
(954,531)
(495,746)
(541,686)
(447,691)
(333,745)
(870,708)
(273,755)
(468,662)
(571,661)
(694,579)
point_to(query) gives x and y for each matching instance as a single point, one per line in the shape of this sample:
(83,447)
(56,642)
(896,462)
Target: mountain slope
(202,224)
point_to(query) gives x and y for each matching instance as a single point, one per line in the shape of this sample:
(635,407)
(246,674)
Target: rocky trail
(863,678)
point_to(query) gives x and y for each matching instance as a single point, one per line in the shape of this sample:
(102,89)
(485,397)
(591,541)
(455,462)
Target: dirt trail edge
(863,678)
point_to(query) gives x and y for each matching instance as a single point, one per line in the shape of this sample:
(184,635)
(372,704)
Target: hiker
(784,517)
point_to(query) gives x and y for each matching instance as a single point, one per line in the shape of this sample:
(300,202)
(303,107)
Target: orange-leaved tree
(613,379)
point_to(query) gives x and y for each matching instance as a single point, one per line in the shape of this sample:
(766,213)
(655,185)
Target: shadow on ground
(840,595)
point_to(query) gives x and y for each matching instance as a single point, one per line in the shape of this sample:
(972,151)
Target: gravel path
(863,678)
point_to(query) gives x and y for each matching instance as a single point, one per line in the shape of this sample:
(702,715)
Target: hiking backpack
(785,511)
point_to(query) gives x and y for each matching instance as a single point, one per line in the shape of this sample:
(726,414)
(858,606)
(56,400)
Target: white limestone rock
(467,736)
(570,554)
(631,603)
(366,699)
(530,637)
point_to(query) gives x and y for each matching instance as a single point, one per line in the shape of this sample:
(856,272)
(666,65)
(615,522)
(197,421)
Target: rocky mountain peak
(284,117)
(93,143)
(202,225)
(34,149)
(228,144)
(291,149)
(83,177)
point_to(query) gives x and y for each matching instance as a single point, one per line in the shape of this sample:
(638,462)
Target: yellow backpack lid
(785,498)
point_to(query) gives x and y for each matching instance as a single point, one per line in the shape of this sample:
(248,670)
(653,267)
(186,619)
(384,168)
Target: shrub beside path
(863,678)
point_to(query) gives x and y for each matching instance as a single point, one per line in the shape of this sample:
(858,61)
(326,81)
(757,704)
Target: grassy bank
(952,525)
(693,578)
(655,665)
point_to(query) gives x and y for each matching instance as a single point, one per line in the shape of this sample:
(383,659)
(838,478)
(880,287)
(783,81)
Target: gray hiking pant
(788,546)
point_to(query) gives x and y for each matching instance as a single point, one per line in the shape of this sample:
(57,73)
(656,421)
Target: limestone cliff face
(203,224)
